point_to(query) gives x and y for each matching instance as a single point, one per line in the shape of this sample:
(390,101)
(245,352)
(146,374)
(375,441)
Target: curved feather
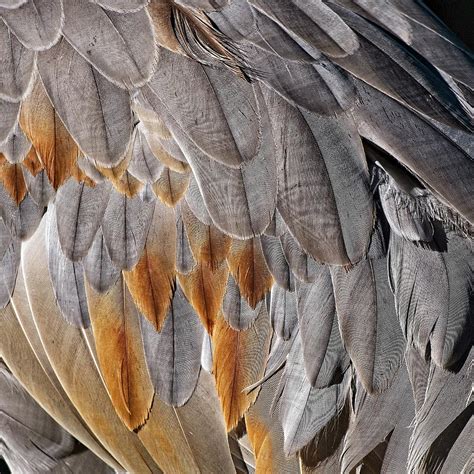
(283,313)
(106,133)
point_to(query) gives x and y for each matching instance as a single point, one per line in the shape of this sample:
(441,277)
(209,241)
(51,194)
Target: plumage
(151,280)
(170,186)
(16,66)
(283,313)
(143,164)
(247,265)
(125,227)
(239,361)
(276,262)
(174,354)
(53,144)
(9,112)
(107,132)
(79,212)
(9,268)
(184,257)
(16,147)
(11,177)
(116,327)
(39,187)
(36,23)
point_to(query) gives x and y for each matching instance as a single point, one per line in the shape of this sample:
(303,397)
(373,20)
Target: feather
(143,164)
(414,143)
(195,201)
(5,238)
(16,147)
(125,227)
(277,226)
(106,133)
(151,281)
(161,14)
(302,265)
(70,356)
(184,257)
(100,271)
(170,186)
(116,327)
(208,245)
(36,23)
(207,112)
(239,361)
(39,188)
(368,322)
(324,355)
(9,112)
(283,314)
(305,410)
(312,25)
(8,270)
(54,146)
(16,66)
(174,355)
(79,211)
(119,46)
(241,202)
(12,4)
(375,417)
(434,311)
(121,6)
(388,65)
(206,354)
(67,278)
(235,309)
(204,288)
(27,218)
(247,265)
(447,409)
(11,177)
(330,233)
(276,262)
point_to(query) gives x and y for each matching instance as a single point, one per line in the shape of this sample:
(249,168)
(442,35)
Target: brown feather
(247,265)
(160,12)
(120,352)
(204,288)
(32,163)
(168,160)
(171,186)
(239,361)
(208,244)
(54,145)
(11,176)
(151,281)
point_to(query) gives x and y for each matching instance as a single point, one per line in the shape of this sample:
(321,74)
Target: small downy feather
(151,281)
(120,46)
(171,186)
(239,361)
(16,66)
(235,309)
(204,288)
(247,265)
(79,212)
(116,327)
(125,227)
(106,133)
(174,354)
(54,146)
(36,23)
(67,278)
(100,271)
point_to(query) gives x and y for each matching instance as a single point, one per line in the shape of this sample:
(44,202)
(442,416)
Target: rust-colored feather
(116,327)
(121,179)
(54,145)
(239,361)
(151,281)
(208,244)
(168,160)
(171,186)
(11,176)
(32,163)
(248,267)
(204,288)
(160,12)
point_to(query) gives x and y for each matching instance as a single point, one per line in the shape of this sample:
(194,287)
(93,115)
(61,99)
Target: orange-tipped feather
(171,186)
(12,179)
